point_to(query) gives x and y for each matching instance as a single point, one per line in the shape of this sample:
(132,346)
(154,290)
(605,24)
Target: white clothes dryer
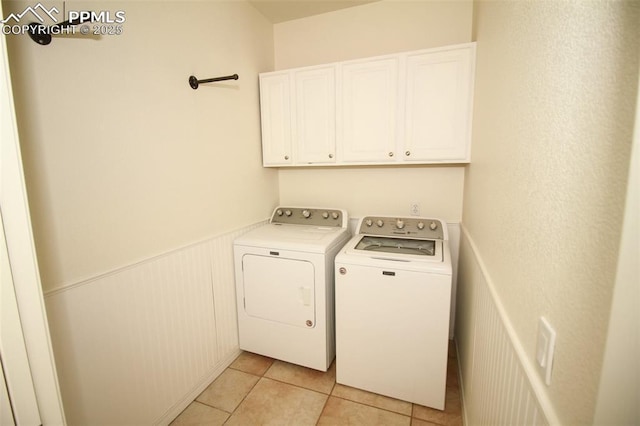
(393,294)
(285,285)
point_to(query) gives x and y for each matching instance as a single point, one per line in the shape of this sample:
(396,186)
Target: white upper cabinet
(437,107)
(367,110)
(315,115)
(275,107)
(407,108)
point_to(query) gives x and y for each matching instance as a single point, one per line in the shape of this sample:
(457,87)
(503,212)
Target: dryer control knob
(335,215)
(279,212)
(325,215)
(433,226)
(306,213)
(287,212)
(399,224)
(380,223)
(421,225)
(368,222)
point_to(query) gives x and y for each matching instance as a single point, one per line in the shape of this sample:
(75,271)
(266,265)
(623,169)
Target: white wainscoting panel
(136,345)
(499,386)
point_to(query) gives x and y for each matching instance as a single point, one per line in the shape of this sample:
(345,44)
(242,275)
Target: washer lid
(371,248)
(317,239)
(397,245)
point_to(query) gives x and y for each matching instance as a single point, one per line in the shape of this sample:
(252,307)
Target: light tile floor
(257,390)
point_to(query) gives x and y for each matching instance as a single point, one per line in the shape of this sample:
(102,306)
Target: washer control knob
(380,223)
(399,223)
(433,226)
(421,225)
(279,212)
(287,213)
(306,213)
(325,215)
(368,222)
(335,215)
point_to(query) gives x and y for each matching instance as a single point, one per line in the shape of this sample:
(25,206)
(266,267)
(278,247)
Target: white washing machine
(285,285)
(393,294)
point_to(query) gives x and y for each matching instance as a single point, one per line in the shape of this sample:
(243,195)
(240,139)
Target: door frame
(21,255)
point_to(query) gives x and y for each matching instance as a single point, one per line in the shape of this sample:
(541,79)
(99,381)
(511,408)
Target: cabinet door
(368,110)
(438,93)
(275,111)
(315,115)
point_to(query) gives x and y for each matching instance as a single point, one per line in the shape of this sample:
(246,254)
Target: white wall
(123,159)
(374,29)
(556,87)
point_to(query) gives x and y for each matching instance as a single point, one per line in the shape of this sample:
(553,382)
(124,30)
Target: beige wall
(543,199)
(123,159)
(369,30)
(367,190)
(386,26)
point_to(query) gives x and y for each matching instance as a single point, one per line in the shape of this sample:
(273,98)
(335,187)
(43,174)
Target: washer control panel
(414,227)
(314,216)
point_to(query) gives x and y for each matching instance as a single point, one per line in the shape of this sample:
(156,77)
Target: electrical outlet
(414,209)
(545,348)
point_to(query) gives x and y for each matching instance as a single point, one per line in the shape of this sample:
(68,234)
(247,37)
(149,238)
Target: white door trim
(22,257)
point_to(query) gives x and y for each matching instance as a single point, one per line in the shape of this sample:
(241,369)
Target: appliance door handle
(305,296)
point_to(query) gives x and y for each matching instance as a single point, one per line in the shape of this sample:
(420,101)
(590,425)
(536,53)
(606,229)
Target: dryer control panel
(414,227)
(314,216)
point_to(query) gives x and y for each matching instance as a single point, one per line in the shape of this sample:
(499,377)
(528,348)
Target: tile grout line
(295,386)
(279,381)
(330,394)
(376,407)
(243,398)
(411,416)
(241,401)
(250,390)
(324,407)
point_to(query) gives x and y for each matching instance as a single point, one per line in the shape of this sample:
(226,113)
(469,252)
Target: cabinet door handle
(330,155)
(286,157)
(407,153)
(391,154)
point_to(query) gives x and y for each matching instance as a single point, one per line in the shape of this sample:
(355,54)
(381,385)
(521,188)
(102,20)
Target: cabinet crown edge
(447,48)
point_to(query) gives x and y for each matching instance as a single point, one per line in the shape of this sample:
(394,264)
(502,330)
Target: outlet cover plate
(545,349)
